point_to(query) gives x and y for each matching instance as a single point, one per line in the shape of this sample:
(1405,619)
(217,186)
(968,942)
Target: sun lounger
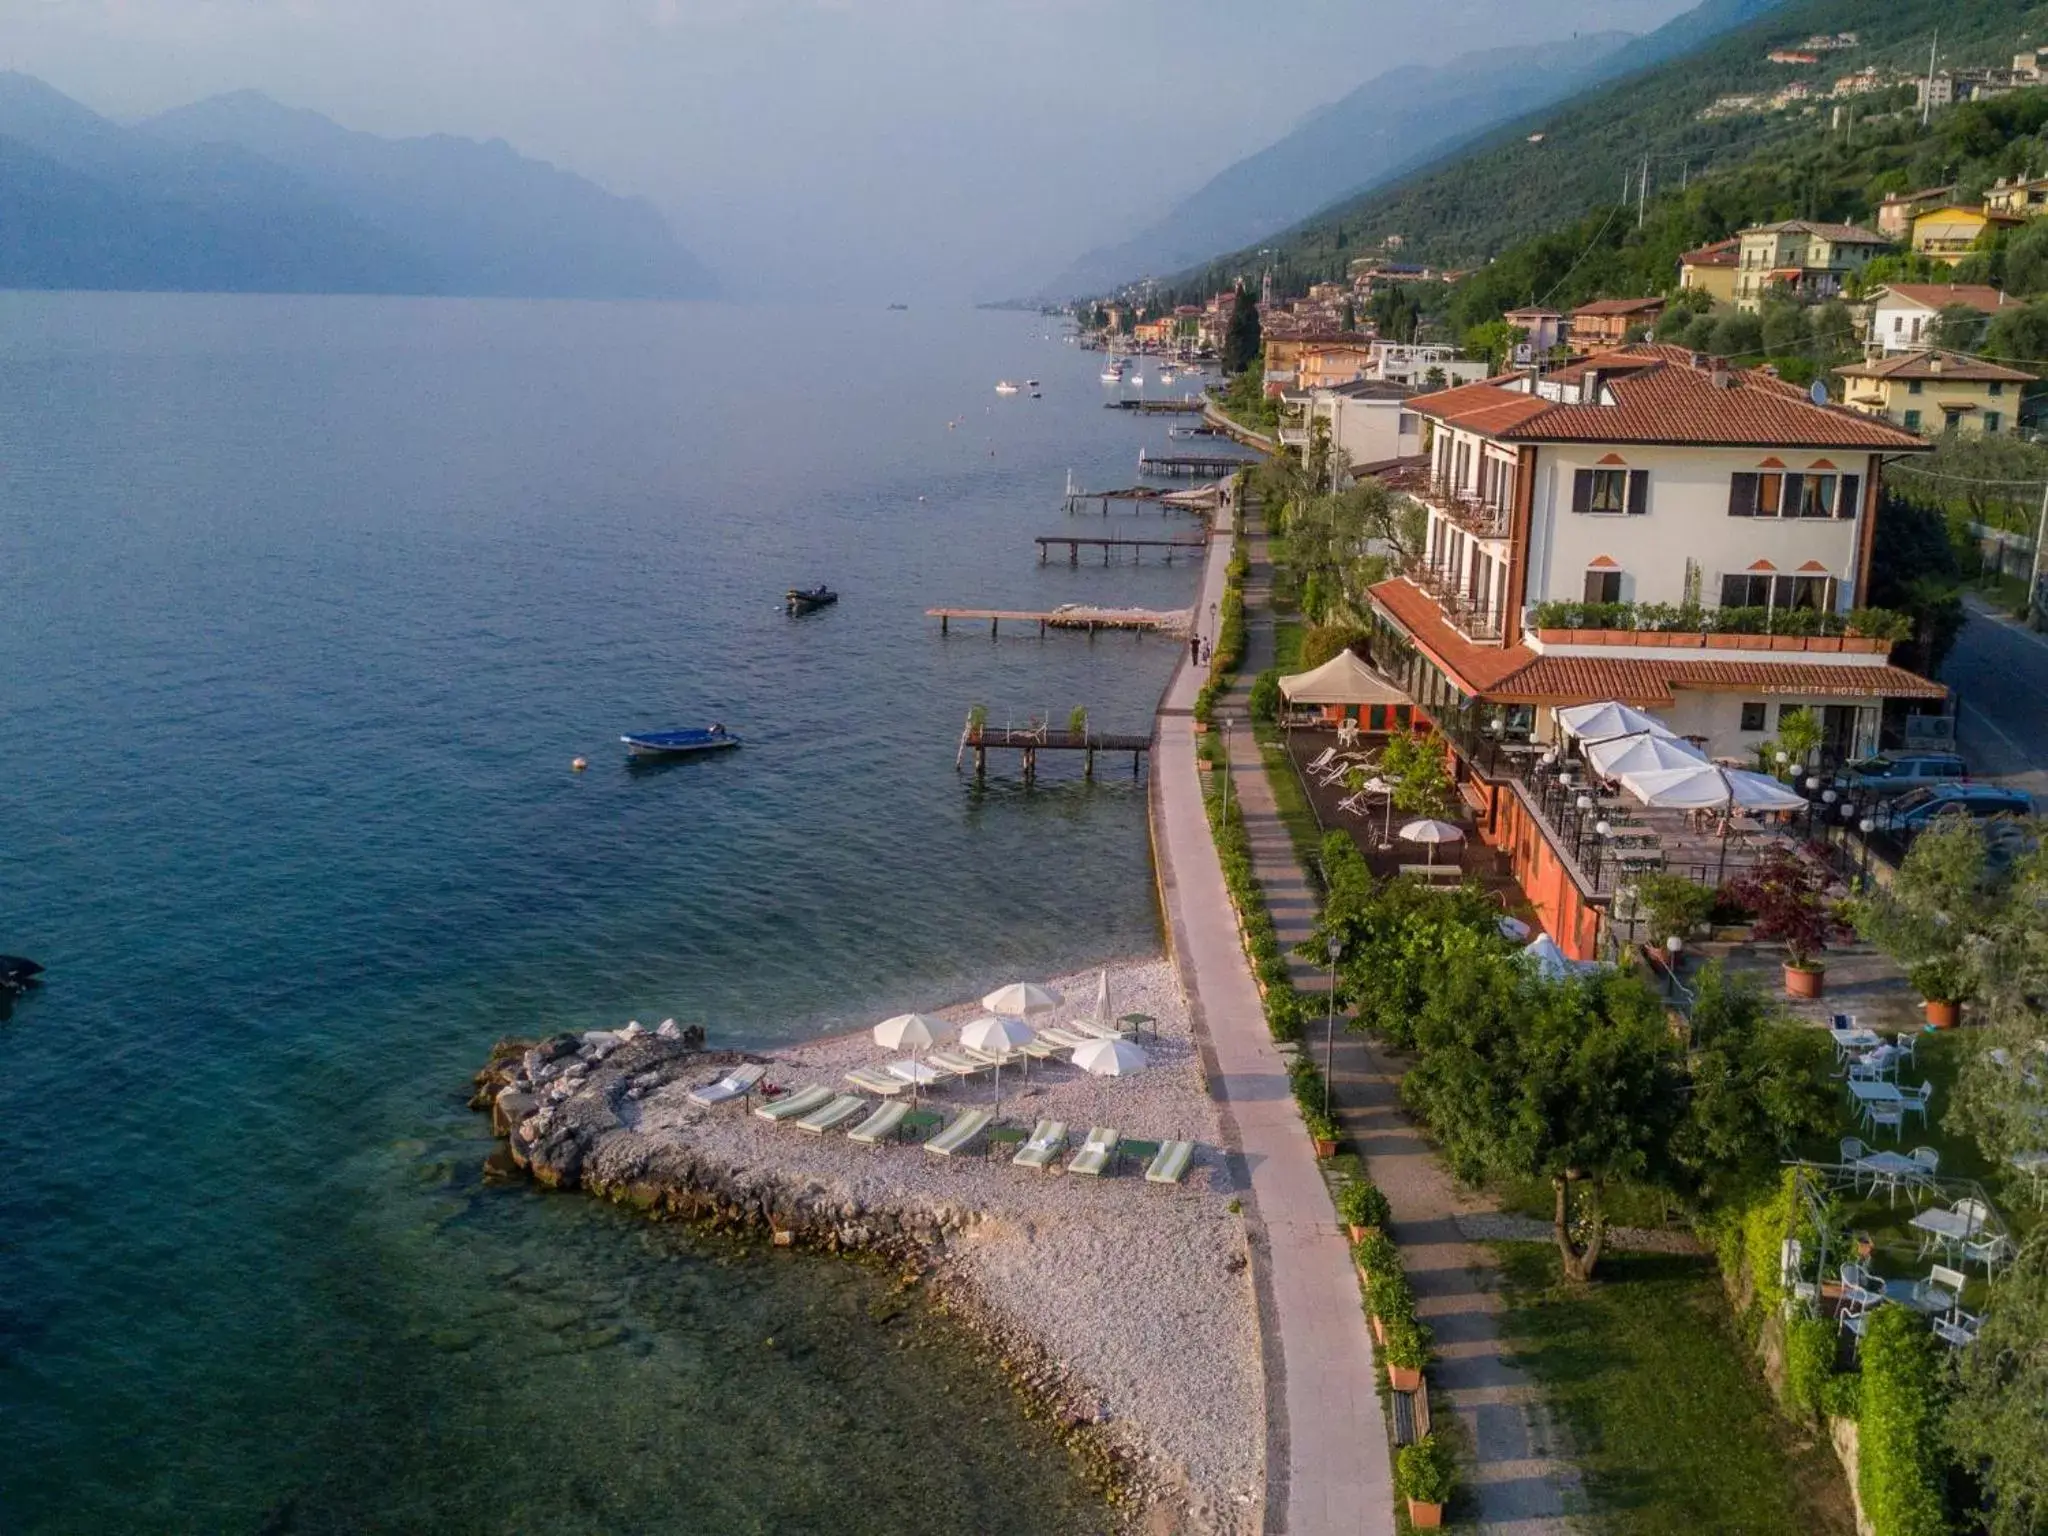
(1097,1031)
(989,1058)
(885,1084)
(801,1102)
(958,1065)
(731,1086)
(1095,1152)
(908,1071)
(880,1126)
(1047,1137)
(1038,1048)
(955,1137)
(1171,1163)
(838,1112)
(1064,1039)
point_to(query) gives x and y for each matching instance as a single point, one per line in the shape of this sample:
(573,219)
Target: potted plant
(1941,982)
(1427,1474)
(1362,1208)
(1785,892)
(1375,1254)
(1407,1351)
(1388,1297)
(1943,894)
(1322,1130)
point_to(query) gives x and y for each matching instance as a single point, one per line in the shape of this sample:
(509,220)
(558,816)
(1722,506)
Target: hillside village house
(2028,199)
(1324,364)
(1369,422)
(1639,477)
(1942,392)
(1896,213)
(1903,314)
(1605,323)
(1413,363)
(1542,329)
(1808,261)
(1950,233)
(1711,270)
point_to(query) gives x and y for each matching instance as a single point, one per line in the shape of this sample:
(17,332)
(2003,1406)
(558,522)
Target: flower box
(1425,1516)
(1405,1378)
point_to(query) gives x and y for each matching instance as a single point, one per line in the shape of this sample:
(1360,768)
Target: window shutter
(1582,490)
(1638,492)
(1742,495)
(1846,500)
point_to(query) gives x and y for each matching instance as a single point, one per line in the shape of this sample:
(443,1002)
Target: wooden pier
(1200,465)
(1186,405)
(1033,741)
(1110,546)
(1090,620)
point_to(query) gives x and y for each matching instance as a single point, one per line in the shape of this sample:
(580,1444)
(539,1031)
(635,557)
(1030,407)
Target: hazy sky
(961,147)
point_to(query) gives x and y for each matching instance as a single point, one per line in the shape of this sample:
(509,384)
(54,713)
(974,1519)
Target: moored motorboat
(18,974)
(1005,387)
(709,738)
(810,599)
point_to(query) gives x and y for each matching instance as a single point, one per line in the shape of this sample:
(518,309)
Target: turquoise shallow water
(305,605)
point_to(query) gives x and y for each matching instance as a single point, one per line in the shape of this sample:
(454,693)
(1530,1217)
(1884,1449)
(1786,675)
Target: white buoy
(577,765)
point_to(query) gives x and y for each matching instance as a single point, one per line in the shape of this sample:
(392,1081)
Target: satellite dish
(1818,394)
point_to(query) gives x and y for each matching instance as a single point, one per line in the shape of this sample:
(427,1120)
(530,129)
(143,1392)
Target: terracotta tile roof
(1660,397)
(1936,365)
(1519,675)
(1979,296)
(1618,307)
(1722,253)
(1840,233)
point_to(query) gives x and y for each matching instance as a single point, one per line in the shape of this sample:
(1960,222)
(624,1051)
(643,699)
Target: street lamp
(1782,761)
(1336,947)
(1582,805)
(1226,770)
(1673,947)
(1212,624)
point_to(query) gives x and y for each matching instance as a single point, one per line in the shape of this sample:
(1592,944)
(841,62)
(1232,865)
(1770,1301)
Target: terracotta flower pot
(1804,981)
(1325,1147)
(1943,1015)
(1404,1378)
(1379,1330)
(1360,1234)
(1425,1517)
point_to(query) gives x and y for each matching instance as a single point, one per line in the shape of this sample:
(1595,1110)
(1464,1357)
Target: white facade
(1367,430)
(1399,362)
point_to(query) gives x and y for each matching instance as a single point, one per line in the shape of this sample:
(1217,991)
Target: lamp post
(1580,806)
(1812,798)
(1212,624)
(1336,947)
(1673,947)
(1225,721)
(1601,832)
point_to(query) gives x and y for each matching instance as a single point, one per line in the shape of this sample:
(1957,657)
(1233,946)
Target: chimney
(1719,377)
(1589,387)
(1934,363)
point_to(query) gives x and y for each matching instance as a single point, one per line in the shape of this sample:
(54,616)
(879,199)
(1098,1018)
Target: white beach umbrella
(1640,752)
(1110,1058)
(1513,928)
(1597,722)
(1021,999)
(1551,962)
(1703,786)
(913,1032)
(998,1034)
(1102,997)
(1432,833)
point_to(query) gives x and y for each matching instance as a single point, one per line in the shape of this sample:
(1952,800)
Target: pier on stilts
(1186,405)
(1030,741)
(1201,465)
(1077,499)
(1110,546)
(1141,621)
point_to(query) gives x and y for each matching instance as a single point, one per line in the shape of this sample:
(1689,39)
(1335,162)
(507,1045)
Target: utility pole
(1643,192)
(1927,93)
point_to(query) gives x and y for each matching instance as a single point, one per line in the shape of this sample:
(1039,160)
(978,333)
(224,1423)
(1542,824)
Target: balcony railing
(1476,515)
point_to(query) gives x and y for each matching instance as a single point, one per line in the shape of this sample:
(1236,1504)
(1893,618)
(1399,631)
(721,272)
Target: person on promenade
(1195,650)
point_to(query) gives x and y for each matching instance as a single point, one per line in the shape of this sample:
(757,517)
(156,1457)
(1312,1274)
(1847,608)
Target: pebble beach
(1129,1305)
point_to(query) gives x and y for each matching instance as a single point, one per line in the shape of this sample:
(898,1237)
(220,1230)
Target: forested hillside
(1471,207)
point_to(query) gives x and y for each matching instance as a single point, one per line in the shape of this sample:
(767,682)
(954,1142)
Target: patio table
(1874,1091)
(1945,1228)
(1893,1170)
(1921,1295)
(1140,1151)
(917,1123)
(1847,1040)
(1002,1136)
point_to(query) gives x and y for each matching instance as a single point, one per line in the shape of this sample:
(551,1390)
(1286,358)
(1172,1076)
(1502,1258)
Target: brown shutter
(1742,494)
(1582,490)
(1845,497)
(1638,492)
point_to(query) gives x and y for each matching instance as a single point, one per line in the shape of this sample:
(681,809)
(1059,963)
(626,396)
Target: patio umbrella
(1020,999)
(1551,963)
(1705,786)
(1110,1058)
(1597,722)
(1102,997)
(1513,928)
(1639,752)
(912,1032)
(999,1035)
(1432,833)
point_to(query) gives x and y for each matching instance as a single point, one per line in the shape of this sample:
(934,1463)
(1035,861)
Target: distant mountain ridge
(239,193)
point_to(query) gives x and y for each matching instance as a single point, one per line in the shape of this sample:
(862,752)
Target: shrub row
(1391,1299)
(1262,940)
(1306,1079)
(1690,618)
(1229,652)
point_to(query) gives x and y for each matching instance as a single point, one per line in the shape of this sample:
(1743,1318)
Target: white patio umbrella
(1102,997)
(1703,786)
(913,1032)
(1597,722)
(1551,962)
(1432,833)
(1020,999)
(1110,1058)
(1640,752)
(999,1035)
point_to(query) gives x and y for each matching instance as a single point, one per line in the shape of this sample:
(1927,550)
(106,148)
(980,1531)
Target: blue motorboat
(710,738)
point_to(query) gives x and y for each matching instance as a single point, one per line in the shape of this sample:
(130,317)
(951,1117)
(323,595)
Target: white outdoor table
(1855,1040)
(1920,1295)
(1875,1092)
(1893,1169)
(1945,1227)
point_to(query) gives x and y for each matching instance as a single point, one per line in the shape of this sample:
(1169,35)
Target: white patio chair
(1853,1152)
(1320,761)
(1914,1101)
(1958,1330)
(1990,1251)
(1945,1283)
(1889,1117)
(1905,1047)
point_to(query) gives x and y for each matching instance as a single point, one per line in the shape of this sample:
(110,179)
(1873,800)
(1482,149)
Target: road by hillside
(2000,669)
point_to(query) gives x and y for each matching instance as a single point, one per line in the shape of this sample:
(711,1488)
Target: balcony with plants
(1869,631)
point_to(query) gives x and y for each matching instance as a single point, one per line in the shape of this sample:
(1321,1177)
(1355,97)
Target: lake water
(305,607)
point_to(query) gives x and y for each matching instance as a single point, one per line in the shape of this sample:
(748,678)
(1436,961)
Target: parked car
(1922,807)
(1894,773)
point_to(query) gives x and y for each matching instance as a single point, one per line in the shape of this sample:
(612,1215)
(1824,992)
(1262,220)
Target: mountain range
(240,193)
(1392,125)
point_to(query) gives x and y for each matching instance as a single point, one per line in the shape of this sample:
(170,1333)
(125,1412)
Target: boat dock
(1200,465)
(1109,547)
(1031,742)
(1140,621)
(1186,405)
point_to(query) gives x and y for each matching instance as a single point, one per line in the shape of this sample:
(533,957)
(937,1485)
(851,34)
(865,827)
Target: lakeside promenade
(1327,1465)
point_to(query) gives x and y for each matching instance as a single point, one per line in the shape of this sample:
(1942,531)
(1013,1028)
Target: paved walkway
(1327,1464)
(1517,1484)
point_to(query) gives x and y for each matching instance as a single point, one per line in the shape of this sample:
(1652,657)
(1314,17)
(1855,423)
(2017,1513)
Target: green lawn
(1670,1423)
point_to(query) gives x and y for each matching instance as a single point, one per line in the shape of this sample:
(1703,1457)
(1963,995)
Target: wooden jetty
(1032,741)
(1089,619)
(1200,465)
(1186,405)
(1076,499)
(1111,545)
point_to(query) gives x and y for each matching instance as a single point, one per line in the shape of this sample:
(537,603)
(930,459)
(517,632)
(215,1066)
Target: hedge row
(1229,652)
(1262,940)
(1391,1299)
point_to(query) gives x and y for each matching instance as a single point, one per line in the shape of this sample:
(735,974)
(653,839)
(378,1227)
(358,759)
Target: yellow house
(1711,270)
(1949,234)
(1936,392)
(1802,259)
